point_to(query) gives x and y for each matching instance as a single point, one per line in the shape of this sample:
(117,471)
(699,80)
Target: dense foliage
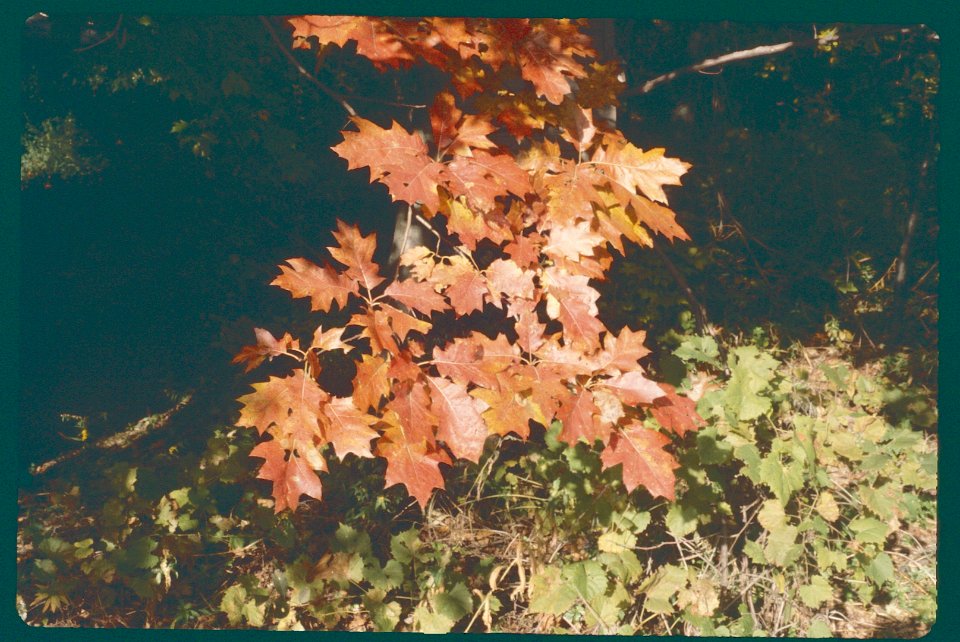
(493,455)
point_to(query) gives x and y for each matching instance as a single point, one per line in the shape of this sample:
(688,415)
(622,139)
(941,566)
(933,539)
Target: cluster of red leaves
(549,222)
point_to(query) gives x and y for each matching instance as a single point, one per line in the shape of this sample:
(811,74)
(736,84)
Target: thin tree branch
(106,38)
(747,54)
(303,72)
(756,52)
(338,97)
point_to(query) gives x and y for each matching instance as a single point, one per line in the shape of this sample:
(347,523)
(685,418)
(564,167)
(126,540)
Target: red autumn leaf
(323,285)
(461,426)
(375,39)
(291,477)
(546,57)
(475,359)
(267,347)
(621,352)
(508,411)
(397,158)
(329,340)
(506,277)
(483,177)
(402,368)
(455,133)
(402,323)
(579,415)
(376,327)
(371,384)
(675,412)
(471,227)
(417,295)
(633,388)
(411,403)
(410,462)
(465,286)
(291,403)
(356,252)
(348,428)
(645,462)
(574,303)
(529,332)
(638,171)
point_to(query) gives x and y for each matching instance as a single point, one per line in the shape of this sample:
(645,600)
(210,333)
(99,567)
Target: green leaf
(816,592)
(385,616)
(666,583)
(681,520)
(426,621)
(702,349)
(454,603)
(751,372)
(550,592)
(781,548)
(819,628)
(349,540)
(880,569)
(711,448)
(868,530)
(616,542)
(782,479)
(387,578)
(587,578)
(750,456)
(232,603)
(404,546)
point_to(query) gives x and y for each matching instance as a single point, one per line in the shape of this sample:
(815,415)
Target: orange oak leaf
(455,133)
(638,171)
(508,411)
(546,57)
(529,331)
(506,277)
(574,303)
(397,158)
(621,352)
(471,227)
(417,295)
(356,252)
(676,413)
(375,324)
(476,359)
(482,177)
(291,476)
(323,285)
(402,323)
(348,428)
(633,388)
(411,403)
(375,39)
(371,383)
(645,462)
(579,415)
(329,340)
(402,367)
(291,403)
(461,426)
(410,462)
(465,286)
(267,347)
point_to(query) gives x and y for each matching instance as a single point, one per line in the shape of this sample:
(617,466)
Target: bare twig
(124,439)
(106,38)
(747,54)
(303,72)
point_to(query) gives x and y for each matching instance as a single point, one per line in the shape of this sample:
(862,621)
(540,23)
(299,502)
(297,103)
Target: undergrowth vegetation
(805,506)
